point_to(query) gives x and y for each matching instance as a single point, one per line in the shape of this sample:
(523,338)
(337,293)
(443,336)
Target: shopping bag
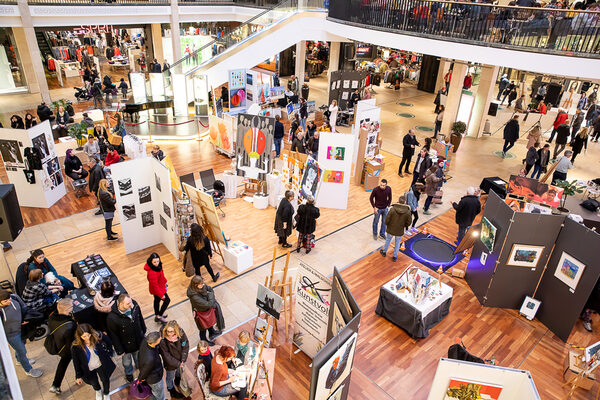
(182,385)
(139,390)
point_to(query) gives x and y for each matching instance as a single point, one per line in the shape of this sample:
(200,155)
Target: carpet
(431,251)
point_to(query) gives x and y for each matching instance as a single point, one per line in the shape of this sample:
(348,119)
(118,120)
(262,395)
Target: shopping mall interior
(429,168)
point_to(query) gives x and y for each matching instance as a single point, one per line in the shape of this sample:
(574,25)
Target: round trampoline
(433,250)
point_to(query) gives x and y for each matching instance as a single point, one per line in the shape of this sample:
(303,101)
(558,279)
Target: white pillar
(300,61)
(485,94)
(175,40)
(157,47)
(454,94)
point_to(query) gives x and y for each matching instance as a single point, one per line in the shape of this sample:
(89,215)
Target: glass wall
(11,72)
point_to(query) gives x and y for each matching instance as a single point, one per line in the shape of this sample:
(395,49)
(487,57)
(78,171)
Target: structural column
(485,94)
(176,42)
(454,94)
(29,52)
(443,68)
(157,42)
(300,62)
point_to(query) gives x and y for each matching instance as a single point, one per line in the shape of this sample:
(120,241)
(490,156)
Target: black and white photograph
(147,218)
(129,212)
(40,143)
(268,301)
(157,180)
(11,154)
(167,210)
(52,166)
(145,194)
(125,187)
(56,179)
(163,222)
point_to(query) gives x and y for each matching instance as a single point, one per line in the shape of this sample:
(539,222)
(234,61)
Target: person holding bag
(204,306)
(157,285)
(92,352)
(174,348)
(198,251)
(107,205)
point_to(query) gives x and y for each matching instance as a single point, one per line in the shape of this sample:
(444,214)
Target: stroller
(218,195)
(82,94)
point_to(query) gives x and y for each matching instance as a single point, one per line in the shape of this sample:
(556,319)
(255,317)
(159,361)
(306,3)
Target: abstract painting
(333,176)
(335,370)
(569,270)
(311,179)
(125,186)
(147,218)
(129,212)
(488,234)
(253,145)
(335,153)
(461,389)
(145,194)
(523,255)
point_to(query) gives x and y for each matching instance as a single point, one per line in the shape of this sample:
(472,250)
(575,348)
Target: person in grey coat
(531,157)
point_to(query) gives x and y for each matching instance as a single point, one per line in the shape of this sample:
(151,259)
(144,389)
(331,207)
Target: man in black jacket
(422,164)
(151,367)
(44,113)
(466,210)
(62,327)
(96,174)
(126,329)
(511,134)
(298,143)
(278,136)
(409,142)
(562,136)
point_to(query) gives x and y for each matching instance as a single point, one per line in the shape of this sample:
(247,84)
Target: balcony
(533,29)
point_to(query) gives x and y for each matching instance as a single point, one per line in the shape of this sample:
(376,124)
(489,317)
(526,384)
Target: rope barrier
(204,126)
(179,123)
(135,124)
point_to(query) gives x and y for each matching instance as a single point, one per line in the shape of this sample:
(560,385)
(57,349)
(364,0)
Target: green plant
(77,130)
(59,103)
(459,127)
(569,189)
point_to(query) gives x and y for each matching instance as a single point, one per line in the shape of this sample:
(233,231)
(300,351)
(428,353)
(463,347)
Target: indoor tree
(569,189)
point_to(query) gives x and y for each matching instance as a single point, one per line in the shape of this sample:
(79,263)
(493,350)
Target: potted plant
(569,189)
(458,128)
(76,131)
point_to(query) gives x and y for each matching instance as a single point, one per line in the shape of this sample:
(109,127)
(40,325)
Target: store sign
(363,49)
(90,29)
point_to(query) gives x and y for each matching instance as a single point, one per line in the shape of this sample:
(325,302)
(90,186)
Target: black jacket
(17,123)
(307,218)
(542,160)
(126,333)
(298,146)
(312,144)
(511,131)
(44,113)
(63,336)
(303,110)
(96,174)
(156,68)
(199,257)
(107,202)
(562,134)
(466,210)
(174,353)
(279,130)
(63,119)
(408,141)
(72,164)
(424,166)
(579,143)
(80,359)
(30,122)
(151,367)
(202,300)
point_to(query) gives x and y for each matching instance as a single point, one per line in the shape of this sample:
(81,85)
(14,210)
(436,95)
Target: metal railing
(99,2)
(242,32)
(248,3)
(548,30)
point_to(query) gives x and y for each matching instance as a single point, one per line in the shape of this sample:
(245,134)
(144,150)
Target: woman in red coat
(157,285)
(112,157)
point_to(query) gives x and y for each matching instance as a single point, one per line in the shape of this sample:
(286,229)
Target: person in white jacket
(333,109)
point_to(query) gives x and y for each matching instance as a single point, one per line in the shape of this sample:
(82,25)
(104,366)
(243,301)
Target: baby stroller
(82,94)
(218,195)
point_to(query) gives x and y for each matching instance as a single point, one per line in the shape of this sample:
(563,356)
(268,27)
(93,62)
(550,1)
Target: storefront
(12,78)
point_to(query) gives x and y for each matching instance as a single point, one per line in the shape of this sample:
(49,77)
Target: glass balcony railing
(99,2)
(547,30)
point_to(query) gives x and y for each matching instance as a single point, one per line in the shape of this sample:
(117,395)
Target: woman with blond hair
(579,142)
(92,352)
(107,205)
(245,348)
(174,348)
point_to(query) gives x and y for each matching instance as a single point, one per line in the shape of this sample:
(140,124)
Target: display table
(273,189)
(590,219)
(415,319)
(238,256)
(230,181)
(134,146)
(260,201)
(495,184)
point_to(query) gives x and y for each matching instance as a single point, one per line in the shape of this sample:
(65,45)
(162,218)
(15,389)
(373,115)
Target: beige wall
(26,61)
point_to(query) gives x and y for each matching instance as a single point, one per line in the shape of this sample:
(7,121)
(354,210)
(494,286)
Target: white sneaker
(34,372)
(98,394)
(107,397)
(55,390)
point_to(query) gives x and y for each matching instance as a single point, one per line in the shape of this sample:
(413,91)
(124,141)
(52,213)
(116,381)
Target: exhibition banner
(311,314)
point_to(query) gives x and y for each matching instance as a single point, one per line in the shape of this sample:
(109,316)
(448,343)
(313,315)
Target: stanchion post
(149,133)
(198,128)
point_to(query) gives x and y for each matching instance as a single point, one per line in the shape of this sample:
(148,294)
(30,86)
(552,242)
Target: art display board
(369,119)
(145,204)
(493,382)
(292,167)
(222,132)
(337,174)
(180,97)
(157,85)
(253,145)
(237,88)
(332,365)
(138,87)
(343,83)
(206,212)
(49,186)
(311,312)
(258,87)
(200,94)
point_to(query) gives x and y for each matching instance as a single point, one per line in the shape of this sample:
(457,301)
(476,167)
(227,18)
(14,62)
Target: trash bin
(455,141)
(305,90)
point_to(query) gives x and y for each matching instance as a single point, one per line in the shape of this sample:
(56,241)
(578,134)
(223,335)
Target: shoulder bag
(205,319)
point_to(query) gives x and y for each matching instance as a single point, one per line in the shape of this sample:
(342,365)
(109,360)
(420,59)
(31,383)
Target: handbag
(139,390)
(188,265)
(205,319)
(182,385)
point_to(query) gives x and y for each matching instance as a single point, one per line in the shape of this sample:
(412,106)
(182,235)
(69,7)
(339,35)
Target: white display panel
(157,86)
(465,107)
(138,87)
(180,102)
(334,194)
(200,95)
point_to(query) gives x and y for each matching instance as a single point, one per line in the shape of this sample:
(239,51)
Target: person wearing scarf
(157,286)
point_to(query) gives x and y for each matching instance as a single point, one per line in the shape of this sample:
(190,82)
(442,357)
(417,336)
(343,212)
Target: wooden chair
(201,377)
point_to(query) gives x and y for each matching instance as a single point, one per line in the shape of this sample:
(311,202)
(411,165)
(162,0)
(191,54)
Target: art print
(268,301)
(537,209)
(528,188)
(11,153)
(157,181)
(516,205)
(57,179)
(237,98)
(337,395)
(52,166)
(145,194)
(129,212)
(163,222)
(261,329)
(335,370)
(459,389)
(311,179)
(346,84)
(569,270)
(40,143)
(488,234)
(338,320)
(523,255)
(147,218)
(336,153)
(333,176)
(592,355)
(166,210)
(125,186)
(253,145)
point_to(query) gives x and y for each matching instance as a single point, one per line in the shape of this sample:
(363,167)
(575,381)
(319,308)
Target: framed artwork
(592,355)
(537,209)
(269,301)
(333,176)
(338,320)
(336,369)
(569,270)
(311,178)
(517,205)
(530,307)
(337,395)
(11,153)
(336,153)
(531,189)
(459,389)
(488,234)
(523,255)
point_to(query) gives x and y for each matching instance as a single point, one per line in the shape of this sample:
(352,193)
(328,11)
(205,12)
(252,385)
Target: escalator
(43,43)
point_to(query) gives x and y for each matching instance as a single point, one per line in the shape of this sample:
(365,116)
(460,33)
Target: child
(123,86)
(205,357)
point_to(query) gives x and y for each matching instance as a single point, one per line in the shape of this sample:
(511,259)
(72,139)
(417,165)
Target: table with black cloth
(415,319)
(495,184)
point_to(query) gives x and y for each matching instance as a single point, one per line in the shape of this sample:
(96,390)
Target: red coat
(112,157)
(560,119)
(157,283)
(468,82)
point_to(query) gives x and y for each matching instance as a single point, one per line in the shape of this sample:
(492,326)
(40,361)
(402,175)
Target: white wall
(335,195)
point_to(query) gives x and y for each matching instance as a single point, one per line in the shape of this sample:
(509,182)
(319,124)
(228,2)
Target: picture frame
(530,307)
(569,270)
(523,255)
(592,355)
(458,385)
(488,234)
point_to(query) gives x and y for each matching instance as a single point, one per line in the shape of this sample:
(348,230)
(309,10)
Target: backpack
(50,344)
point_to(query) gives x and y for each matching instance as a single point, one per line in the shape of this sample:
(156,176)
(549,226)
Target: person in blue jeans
(542,162)
(381,198)
(397,220)
(12,313)
(278,135)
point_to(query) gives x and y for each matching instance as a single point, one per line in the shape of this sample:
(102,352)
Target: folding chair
(189,179)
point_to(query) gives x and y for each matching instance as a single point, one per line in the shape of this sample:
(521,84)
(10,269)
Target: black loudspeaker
(11,221)
(493,110)
(349,51)
(429,71)
(553,94)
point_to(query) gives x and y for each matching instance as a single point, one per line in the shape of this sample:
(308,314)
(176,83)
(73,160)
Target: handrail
(113,3)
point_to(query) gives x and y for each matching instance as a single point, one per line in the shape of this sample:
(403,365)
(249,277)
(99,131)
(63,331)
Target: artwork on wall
(488,234)
(311,178)
(163,222)
(523,255)
(268,301)
(125,186)
(569,270)
(40,143)
(333,176)
(237,79)
(338,320)
(11,154)
(517,205)
(56,179)
(145,194)
(157,180)
(530,189)
(335,153)
(237,98)
(592,355)
(52,166)
(220,133)
(464,389)
(147,218)
(336,369)
(253,145)
(537,209)
(167,210)
(337,395)
(129,212)
(552,196)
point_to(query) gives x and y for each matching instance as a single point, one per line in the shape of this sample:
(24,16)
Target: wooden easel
(203,221)
(261,364)
(575,380)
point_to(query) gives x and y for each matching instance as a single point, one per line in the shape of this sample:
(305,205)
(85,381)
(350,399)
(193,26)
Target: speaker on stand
(11,220)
